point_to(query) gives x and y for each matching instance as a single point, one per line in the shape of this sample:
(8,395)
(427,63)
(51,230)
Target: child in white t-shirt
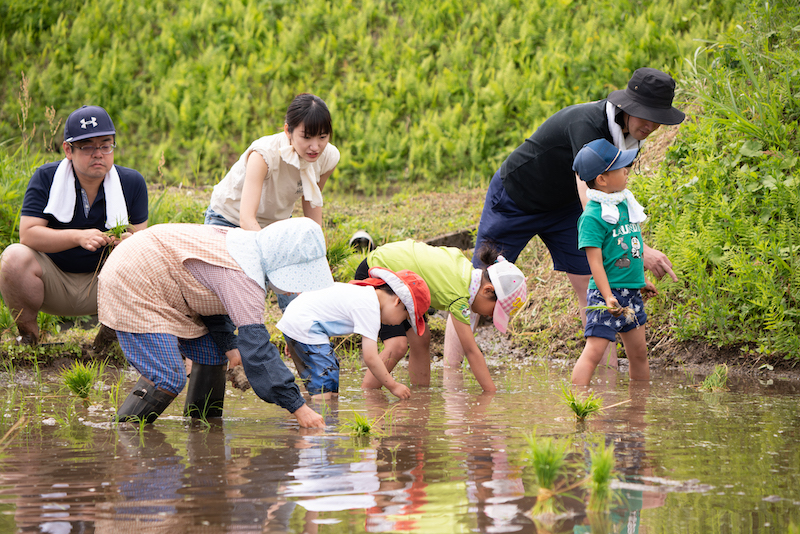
(358,307)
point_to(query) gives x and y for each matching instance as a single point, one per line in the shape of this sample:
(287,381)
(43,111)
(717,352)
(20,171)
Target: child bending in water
(456,287)
(359,307)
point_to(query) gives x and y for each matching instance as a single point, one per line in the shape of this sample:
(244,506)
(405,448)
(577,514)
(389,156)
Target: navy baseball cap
(600,156)
(86,122)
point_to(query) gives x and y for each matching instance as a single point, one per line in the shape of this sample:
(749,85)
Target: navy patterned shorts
(600,323)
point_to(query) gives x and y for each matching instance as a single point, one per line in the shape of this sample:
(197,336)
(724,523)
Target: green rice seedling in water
(80,378)
(359,426)
(9,435)
(717,380)
(583,408)
(600,477)
(548,459)
(362,426)
(200,413)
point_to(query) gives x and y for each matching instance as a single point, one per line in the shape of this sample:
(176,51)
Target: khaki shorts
(68,294)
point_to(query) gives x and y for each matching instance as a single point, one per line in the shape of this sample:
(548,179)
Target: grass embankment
(422,93)
(722,196)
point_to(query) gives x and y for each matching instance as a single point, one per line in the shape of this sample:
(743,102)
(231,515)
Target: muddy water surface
(449,460)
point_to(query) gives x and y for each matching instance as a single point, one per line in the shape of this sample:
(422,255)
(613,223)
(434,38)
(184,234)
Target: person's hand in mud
(308,418)
(649,290)
(613,306)
(399,390)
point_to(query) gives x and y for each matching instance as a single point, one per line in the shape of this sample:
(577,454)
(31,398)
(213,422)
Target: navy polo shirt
(78,259)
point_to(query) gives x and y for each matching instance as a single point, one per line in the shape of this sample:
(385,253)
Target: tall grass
(725,206)
(432,93)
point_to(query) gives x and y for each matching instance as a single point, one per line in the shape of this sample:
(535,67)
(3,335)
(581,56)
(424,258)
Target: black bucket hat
(86,122)
(649,96)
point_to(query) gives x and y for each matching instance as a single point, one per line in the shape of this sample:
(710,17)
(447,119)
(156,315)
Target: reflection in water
(448,460)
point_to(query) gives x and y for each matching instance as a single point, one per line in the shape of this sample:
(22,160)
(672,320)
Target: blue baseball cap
(600,156)
(86,122)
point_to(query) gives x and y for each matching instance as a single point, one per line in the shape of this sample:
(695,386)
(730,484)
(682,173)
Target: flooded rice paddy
(448,460)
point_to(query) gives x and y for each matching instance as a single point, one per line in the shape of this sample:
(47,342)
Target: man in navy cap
(69,206)
(535,191)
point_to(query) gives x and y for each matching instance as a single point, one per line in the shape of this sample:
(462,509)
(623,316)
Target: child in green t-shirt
(609,232)
(456,287)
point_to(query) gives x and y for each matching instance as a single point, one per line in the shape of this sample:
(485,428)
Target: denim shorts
(508,228)
(321,373)
(215,219)
(600,323)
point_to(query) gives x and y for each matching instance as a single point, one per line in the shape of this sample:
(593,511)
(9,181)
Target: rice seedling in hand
(80,378)
(118,230)
(600,477)
(626,311)
(583,408)
(717,380)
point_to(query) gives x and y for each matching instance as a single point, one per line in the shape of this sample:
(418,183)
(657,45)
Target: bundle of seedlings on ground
(717,380)
(547,458)
(583,408)
(600,477)
(80,378)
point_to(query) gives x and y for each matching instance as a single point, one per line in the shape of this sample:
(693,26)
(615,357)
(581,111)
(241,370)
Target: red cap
(409,287)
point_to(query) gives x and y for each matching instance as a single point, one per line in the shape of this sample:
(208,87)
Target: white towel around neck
(308,175)
(609,201)
(62,198)
(621,140)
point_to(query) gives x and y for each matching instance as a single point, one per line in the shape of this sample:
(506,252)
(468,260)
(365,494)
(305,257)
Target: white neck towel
(621,141)
(61,202)
(308,175)
(609,201)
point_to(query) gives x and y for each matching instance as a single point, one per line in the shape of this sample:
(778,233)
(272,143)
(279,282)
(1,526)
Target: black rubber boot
(205,395)
(144,403)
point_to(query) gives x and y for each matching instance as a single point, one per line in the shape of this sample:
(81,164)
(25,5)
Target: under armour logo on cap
(86,122)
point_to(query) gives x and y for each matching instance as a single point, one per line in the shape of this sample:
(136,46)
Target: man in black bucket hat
(536,192)
(68,207)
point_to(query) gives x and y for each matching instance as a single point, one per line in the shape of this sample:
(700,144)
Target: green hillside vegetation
(434,97)
(725,204)
(423,93)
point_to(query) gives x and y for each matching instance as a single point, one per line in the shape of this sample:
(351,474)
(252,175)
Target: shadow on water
(448,460)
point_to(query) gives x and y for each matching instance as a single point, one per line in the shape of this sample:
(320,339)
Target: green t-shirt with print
(445,269)
(621,244)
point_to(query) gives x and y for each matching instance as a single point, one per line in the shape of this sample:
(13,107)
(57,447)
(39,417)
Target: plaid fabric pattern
(144,286)
(242,297)
(512,303)
(157,357)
